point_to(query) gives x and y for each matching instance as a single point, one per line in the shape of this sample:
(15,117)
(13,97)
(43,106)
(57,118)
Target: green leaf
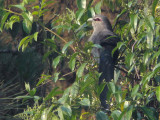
(81,27)
(120,44)
(80,70)
(101,116)
(27,86)
(51,94)
(19,6)
(12,20)
(24,42)
(56,61)
(134,20)
(129,59)
(85,102)
(66,109)
(115,114)
(86,85)
(97,46)
(74,90)
(35,36)
(66,46)
(98,8)
(81,4)
(4,18)
(27,26)
(27,21)
(65,96)
(60,113)
(150,113)
(155,3)
(79,14)
(119,15)
(156,68)
(43,78)
(130,4)
(72,61)
(55,77)
(91,12)
(126,114)
(25,1)
(146,57)
(35,13)
(100,88)
(32,92)
(111,87)
(134,91)
(150,39)
(150,22)
(27,16)
(158,93)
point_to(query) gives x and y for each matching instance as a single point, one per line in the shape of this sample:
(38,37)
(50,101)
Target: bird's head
(100,22)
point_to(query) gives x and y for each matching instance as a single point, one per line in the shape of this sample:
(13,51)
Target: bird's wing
(108,38)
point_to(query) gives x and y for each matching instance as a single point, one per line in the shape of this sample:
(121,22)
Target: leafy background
(47,71)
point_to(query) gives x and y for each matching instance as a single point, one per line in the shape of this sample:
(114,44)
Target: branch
(125,71)
(57,36)
(12,12)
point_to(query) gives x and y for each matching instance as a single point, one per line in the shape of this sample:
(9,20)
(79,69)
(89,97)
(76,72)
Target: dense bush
(135,90)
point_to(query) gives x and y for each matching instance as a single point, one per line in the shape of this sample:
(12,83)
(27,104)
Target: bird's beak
(90,20)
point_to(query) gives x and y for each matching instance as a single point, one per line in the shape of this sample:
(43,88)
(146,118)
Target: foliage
(134,92)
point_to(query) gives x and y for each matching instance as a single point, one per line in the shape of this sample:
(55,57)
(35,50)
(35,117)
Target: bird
(103,35)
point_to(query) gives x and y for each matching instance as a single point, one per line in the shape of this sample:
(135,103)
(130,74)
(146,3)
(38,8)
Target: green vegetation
(44,52)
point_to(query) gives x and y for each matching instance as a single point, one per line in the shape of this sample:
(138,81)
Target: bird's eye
(97,19)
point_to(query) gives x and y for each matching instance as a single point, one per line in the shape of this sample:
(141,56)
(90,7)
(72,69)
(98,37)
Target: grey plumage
(104,36)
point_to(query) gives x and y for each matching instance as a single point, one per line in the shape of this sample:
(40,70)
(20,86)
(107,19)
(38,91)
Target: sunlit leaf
(98,8)
(81,4)
(91,12)
(35,36)
(27,86)
(158,93)
(4,18)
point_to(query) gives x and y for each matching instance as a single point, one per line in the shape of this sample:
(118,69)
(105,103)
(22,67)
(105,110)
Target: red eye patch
(97,19)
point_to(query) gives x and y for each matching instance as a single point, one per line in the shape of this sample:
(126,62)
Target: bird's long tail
(106,67)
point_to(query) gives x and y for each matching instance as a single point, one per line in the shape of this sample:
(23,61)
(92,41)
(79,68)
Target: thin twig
(12,12)
(69,73)
(125,71)
(59,37)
